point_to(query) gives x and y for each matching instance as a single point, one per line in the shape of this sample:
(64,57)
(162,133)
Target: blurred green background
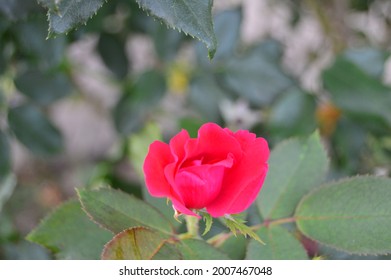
(75,108)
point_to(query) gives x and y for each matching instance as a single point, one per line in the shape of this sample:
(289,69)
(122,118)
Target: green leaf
(43,88)
(208,222)
(137,101)
(112,50)
(70,234)
(233,246)
(292,114)
(227,28)
(31,37)
(206,96)
(296,166)
(50,4)
(17,9)
(237,225)
(139,145)
(280,245)
(361,96)
(255,76)
(369,60)
(7,186)
(140,243)
(117,210)
(5,155)
(69,14)
(196,249)
(352,215)
(34,130)
(191,17)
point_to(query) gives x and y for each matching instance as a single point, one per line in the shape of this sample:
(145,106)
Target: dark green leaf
(34,130)
(206,96)
(195,249)
(32,42)
(255,76)
(70,13)
(117,211)
(167,41)
(358,94)
(70,234)
(43,88)
(5,155)
(352,215)
(140,243)
(191,17)
(136,102)
(112,51)
(280,245)
(227,29)
(17,9)
(292,114)
(295,167)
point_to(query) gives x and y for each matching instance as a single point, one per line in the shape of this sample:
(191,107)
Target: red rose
(220,171)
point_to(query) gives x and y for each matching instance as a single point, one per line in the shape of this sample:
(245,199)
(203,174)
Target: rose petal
(158,157)
(244,180)
(213,144)
(177,145)
(248,195)
(199,185)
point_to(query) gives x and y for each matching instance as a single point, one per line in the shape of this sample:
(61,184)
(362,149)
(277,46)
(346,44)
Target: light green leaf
(191,17)
(296,166)
(280,245)
(196,249)
(50,4)
(140,243)
(70,234)
(352,215)
(32,128)
(117,210)
(208,222)
(7,186)
(236,225)
(139,145)
(70,13)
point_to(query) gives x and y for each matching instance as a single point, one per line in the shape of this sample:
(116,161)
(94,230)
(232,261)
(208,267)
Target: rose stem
(192,226)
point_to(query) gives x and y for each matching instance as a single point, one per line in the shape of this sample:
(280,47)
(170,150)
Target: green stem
(192,226)
(220,238)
